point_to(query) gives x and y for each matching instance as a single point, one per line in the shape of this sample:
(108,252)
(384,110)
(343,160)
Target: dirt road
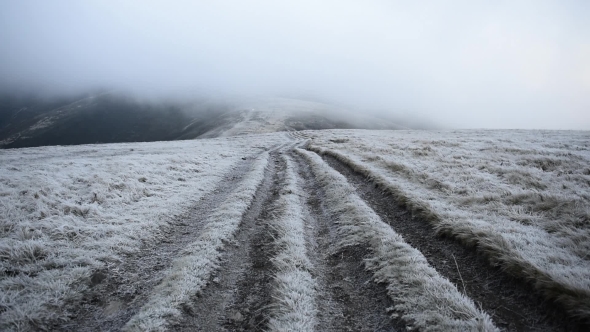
(270,250)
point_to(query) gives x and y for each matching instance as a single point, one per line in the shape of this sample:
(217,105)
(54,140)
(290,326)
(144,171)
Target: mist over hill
(110,117)
(99,118)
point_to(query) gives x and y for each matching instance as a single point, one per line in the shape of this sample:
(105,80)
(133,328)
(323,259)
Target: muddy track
(348,298)
(238,295)
(513,304)
(118,291)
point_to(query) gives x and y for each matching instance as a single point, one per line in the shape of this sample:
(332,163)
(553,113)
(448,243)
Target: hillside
(311,230)
(115,118)
(100,118)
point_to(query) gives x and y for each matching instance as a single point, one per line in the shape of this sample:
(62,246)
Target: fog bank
(463,64)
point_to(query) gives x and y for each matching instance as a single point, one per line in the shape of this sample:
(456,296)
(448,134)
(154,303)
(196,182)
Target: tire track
(118,291)
(238,295)
(513,304)
(348,299)
(241,295)
(423,298)
(200,260)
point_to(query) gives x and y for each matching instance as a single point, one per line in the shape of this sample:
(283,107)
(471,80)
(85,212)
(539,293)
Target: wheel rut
(348,299)
(512,304)
(238,295)
(118,291)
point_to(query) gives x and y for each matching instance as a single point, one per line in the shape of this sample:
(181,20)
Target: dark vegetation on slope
(104,118)
(110,117)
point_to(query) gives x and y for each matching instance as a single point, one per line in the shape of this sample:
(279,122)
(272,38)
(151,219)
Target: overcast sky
(464,64)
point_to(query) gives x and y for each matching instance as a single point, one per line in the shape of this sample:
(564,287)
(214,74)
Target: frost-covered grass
(66,212)
(293,297)
(521,197)
(424,299)
(191,271)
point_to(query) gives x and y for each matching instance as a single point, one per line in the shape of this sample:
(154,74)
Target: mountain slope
(110,118)
(103,118)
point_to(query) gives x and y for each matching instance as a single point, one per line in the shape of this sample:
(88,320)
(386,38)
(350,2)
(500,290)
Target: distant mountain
(102,118)
(27,121)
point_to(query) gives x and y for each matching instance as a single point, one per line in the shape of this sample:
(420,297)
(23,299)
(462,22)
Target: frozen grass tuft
(424,299)
(520,197)
(293,306)
(192,270)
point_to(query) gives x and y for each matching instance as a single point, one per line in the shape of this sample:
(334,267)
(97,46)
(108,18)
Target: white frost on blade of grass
(521,197)
(66,212)
(293,304)
(190,272)
(423,298)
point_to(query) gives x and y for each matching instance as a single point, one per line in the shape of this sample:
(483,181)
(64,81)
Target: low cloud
(519,64)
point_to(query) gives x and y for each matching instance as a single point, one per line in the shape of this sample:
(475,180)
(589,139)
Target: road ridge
(293,306)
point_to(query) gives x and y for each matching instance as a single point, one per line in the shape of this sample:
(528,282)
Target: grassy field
(280,232)
(520,197)
(66,212)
